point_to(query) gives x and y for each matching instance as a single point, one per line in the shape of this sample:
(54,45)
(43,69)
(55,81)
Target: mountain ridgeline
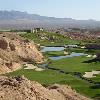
(17,19)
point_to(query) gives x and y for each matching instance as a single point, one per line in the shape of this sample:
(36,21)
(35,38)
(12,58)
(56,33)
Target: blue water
(45,49)
(73,54)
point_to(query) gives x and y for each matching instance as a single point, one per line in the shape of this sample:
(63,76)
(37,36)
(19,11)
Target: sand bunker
(89,56)
(31,66)
(91,74)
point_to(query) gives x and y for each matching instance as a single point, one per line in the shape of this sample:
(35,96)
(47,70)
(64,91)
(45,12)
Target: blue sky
(77,9)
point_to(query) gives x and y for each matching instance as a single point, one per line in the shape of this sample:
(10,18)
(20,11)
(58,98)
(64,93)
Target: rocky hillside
(20,88)
(14,51)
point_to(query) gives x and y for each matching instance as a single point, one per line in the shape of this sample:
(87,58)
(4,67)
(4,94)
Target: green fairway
(48,77)
(55,53)
(75,64)
(44,77)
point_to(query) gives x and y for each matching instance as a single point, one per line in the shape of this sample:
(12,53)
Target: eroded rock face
(14,51)
(20,88)
(3,44)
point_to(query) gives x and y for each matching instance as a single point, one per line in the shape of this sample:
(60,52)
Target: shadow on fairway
(92,60)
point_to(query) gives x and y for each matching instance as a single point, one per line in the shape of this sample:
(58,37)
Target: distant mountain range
(17,19)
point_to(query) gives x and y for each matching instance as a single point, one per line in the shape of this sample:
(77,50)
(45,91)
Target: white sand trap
(91,74)
(83,47)
(96,72)
(39,69)
(31,66)
(94,56)
(66,53)
(89,56)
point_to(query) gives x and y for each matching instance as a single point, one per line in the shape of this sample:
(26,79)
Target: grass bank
(49,39)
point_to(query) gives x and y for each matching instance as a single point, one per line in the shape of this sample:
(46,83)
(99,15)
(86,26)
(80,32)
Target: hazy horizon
(75,9)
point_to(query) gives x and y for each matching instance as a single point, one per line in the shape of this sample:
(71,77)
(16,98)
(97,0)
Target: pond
(45,49)
(73,54)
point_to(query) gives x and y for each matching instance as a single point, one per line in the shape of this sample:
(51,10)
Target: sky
(76,9)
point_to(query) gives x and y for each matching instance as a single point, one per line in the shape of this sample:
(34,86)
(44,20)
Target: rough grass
(60,39)
(96,79)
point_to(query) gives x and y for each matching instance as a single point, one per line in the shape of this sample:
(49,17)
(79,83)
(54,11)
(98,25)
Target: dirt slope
(14,51)
(19,88)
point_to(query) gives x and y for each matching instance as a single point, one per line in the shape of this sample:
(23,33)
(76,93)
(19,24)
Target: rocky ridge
(20,88)
(14,51)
